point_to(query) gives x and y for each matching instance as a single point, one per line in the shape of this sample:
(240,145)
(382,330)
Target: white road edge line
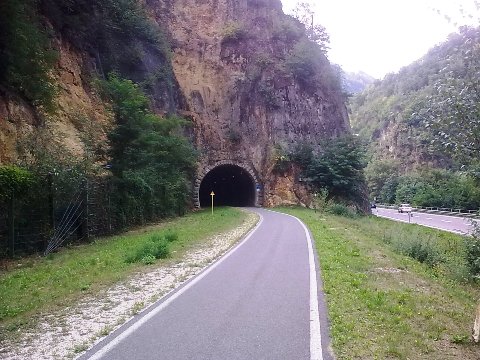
(130,330)
(316,351)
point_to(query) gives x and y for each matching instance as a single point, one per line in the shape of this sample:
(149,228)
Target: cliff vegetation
(423,127)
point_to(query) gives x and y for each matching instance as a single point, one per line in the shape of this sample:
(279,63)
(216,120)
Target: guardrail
(473,214)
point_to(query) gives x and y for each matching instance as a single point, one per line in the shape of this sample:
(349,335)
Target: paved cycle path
(260,301)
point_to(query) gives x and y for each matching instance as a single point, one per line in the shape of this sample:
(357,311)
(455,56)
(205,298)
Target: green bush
(420,249)
(171,236)
(14,181)
(320,200)
(152,162)
(337,167)
(414,244)
(234,31)
(341,210)
(282,160)
(156,248)
(26,55)
(472,254)
(148,259)
(287,29)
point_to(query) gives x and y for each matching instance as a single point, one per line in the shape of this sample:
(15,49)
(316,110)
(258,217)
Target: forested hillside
(422,125)
(355,82)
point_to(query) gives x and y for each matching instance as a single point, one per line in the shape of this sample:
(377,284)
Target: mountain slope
(397,113)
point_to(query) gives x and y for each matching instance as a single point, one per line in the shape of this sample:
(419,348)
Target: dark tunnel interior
(232,185)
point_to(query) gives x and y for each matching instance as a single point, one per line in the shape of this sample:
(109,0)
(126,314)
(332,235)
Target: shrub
(26,55)
(148,259)
(472,254)
(282,160)
(288,29)
(341,210)
(156,248)
(320,200)
(337,168)
(420,249)
(234,31)
(171,236)
(14,181)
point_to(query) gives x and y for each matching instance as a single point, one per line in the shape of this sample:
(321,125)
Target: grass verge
(38,284)
(385,305)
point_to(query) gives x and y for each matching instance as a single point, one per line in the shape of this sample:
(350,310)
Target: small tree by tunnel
(232,185)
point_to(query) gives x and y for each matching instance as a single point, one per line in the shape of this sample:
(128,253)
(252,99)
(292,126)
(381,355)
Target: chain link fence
(58,211)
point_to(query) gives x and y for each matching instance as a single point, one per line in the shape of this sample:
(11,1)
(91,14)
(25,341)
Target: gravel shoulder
(68,332)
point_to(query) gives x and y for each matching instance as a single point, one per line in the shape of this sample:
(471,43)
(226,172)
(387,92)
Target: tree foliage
(117,33)
(425,187)
(26,55)
(14,181)
(431,106)
(427,115)
(453,111)
(311,68)
(338,168)
(151,160)
(317,33)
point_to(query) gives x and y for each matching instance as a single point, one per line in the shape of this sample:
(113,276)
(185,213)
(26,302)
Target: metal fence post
(11,226)
(86,224)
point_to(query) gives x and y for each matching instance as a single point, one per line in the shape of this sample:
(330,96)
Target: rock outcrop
(79,114)
(230,61)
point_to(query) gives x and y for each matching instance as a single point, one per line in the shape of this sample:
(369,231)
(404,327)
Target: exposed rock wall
(227,56)
(228,61)
(79,114)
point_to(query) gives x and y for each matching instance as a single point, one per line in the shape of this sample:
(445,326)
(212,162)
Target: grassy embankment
(39,284)
(384,305)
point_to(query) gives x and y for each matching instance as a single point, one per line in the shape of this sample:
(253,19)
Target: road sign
(212,194)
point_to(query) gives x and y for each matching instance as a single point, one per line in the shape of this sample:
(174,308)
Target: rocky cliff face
(80,114)
(229,59)
(231,62)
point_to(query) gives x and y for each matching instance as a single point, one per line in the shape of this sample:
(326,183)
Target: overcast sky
(381,36)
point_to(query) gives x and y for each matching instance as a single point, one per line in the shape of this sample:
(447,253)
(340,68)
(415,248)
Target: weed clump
(342,210)
(155,248)
(472,253)
(419,249)
(171,236)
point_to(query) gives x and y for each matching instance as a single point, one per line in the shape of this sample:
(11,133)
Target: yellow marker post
(212,195)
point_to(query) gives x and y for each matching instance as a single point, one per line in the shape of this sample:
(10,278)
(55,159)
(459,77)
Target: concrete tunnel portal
(232,185)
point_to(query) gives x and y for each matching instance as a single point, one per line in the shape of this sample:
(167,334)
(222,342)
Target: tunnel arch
(234,184)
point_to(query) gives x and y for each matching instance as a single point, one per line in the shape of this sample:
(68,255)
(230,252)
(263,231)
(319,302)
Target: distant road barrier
(474,214)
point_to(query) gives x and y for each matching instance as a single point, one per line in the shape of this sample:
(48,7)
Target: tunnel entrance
(232,185)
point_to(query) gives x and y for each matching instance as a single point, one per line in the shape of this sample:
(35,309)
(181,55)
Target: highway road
(262,300)
(453,224)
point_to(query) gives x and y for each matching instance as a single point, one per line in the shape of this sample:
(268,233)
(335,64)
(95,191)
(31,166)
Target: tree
(378,173)
(454,112)
(338,168)
(152,162)
(26,55)
(315,32)
(14,181)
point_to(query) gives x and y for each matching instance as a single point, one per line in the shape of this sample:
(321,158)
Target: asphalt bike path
(262,300)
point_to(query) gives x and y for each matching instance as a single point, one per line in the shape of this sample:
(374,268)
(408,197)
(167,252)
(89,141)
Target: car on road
(405,208)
